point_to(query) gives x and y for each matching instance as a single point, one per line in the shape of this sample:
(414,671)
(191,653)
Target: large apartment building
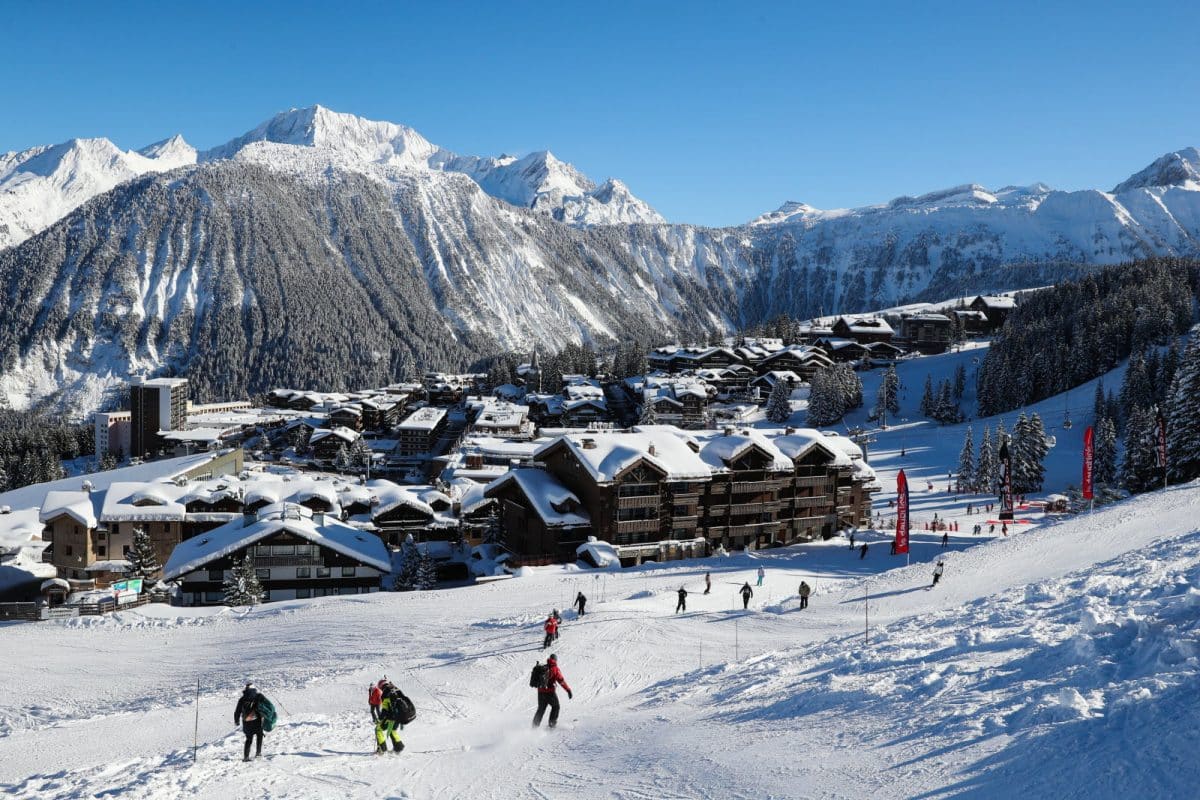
(657,492)
(158,404)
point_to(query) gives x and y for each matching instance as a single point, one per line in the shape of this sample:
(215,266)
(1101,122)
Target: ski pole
(196,727)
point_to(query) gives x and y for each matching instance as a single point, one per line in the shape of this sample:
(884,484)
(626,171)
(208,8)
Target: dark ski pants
(581,607)
(547,700)
(803,602)
(681,606)
(745,601)
(546,642)
(936,578)
(254,733)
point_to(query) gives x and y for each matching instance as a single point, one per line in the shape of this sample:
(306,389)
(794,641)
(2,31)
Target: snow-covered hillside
(1058,662)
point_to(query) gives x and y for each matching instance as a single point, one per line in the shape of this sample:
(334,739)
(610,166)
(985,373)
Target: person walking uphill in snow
(761,574)
(580,603)
(248,715)
(707,582)
(937,572)
(805,591)
(388,718)
(551,629)
(747,593)
(549,676)
(682,604)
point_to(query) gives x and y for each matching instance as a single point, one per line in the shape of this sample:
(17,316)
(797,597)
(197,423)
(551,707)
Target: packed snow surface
(1060,661)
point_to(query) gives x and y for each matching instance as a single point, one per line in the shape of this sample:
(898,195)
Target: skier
(945,539)
(551,629)
(1004,528)
(387,719)
(992,528)
(805,591)
(707,582)
(682,604)
(580,602)
(247,715)
(557,622)
(747,593)
(851,540)
(761,574)
(937,573)
(893,547)
(547,694)
(862,551)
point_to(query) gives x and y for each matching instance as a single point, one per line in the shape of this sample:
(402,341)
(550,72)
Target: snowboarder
(551,629)
(946,539)
(707,582)
(862,551)
(805,591)
(580,602)
(747,593)
(387,719)
(761,574)
(247,715)
(682,604)
(547,694)
(937,572)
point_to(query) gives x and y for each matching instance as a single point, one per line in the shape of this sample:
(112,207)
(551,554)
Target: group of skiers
(746,592)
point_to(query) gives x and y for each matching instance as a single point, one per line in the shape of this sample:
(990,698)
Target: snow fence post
(196,726)
(866,613)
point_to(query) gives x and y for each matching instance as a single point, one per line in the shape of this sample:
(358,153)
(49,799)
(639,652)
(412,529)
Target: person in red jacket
(551,629)
(547,694)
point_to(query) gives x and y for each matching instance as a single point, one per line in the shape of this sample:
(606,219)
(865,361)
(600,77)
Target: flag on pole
(1088,455)
(1006,493)
(901,513)
(1161,422)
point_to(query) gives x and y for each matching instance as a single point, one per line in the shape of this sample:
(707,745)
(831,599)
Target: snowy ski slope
(1058,662)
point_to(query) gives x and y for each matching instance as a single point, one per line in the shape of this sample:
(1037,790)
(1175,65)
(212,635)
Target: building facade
(158,404)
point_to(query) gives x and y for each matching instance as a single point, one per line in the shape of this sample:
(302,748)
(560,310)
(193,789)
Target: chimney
(650,449)
(87,486)
(248,518)
(789,431)
(589,444)
(728,431)
(318,518)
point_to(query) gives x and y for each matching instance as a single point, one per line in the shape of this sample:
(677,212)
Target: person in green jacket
(387,720)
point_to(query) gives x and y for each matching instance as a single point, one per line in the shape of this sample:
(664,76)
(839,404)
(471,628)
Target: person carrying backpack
(249,714)
(747,593)
(545,677)
(682,604)
(580,603)
(394,711)
(551,629)
(805,591)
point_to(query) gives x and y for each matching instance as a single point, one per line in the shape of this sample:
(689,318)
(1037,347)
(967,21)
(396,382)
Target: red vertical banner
(1088,454)
(901,513)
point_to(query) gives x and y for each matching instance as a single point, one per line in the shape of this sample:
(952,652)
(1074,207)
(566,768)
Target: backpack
(540,677)
(403,708)
(266,712)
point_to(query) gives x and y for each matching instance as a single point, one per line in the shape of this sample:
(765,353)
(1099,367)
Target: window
(101,535)
(334,590)
(322,572)
(284,549)
(215,575)
(303,594)
(303,572)
(347,572)
(70,550)
(214,597)
(263,574)
(101,551)
(125,550)
(306,550)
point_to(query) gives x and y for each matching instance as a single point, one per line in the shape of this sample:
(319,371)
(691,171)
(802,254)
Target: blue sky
(712,112)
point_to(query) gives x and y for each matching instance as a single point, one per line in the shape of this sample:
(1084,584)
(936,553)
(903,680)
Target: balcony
(817,480)
(685,498)
(766,528)
(288,561)
(756,486)
(640,501)
(684,522)
(755,508)
(638,526)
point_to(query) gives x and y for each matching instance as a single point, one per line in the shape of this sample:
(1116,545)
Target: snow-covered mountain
(41,185)
(434,258)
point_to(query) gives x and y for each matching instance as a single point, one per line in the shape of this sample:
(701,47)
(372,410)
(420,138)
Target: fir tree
(1099,406)
(359,455)
(985,472)
(108,462)
(649,415)
(850,385)
(426,574)
(891,383)
(945,410)
(960,381)
(4,483)
(927,401)
(825,401)
(143,561)
(966,463)
(779,406)
(341,462)
(1166,375)
(1039,449)
(1104,453)
(1139,469)
(1114,408)
(1183,423)
(1135,391)
(410,561)
(242,587)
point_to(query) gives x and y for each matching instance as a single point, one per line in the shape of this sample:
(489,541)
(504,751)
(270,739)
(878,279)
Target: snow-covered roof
(143,502)
(795,444)
(423,419)
(392,496)
(545,492)
(194,553)
(718,449)
(76,504)
(997,301)
(345,434)
(115,565)
(776,375)
(608,454)
(208,435)
(866,324)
